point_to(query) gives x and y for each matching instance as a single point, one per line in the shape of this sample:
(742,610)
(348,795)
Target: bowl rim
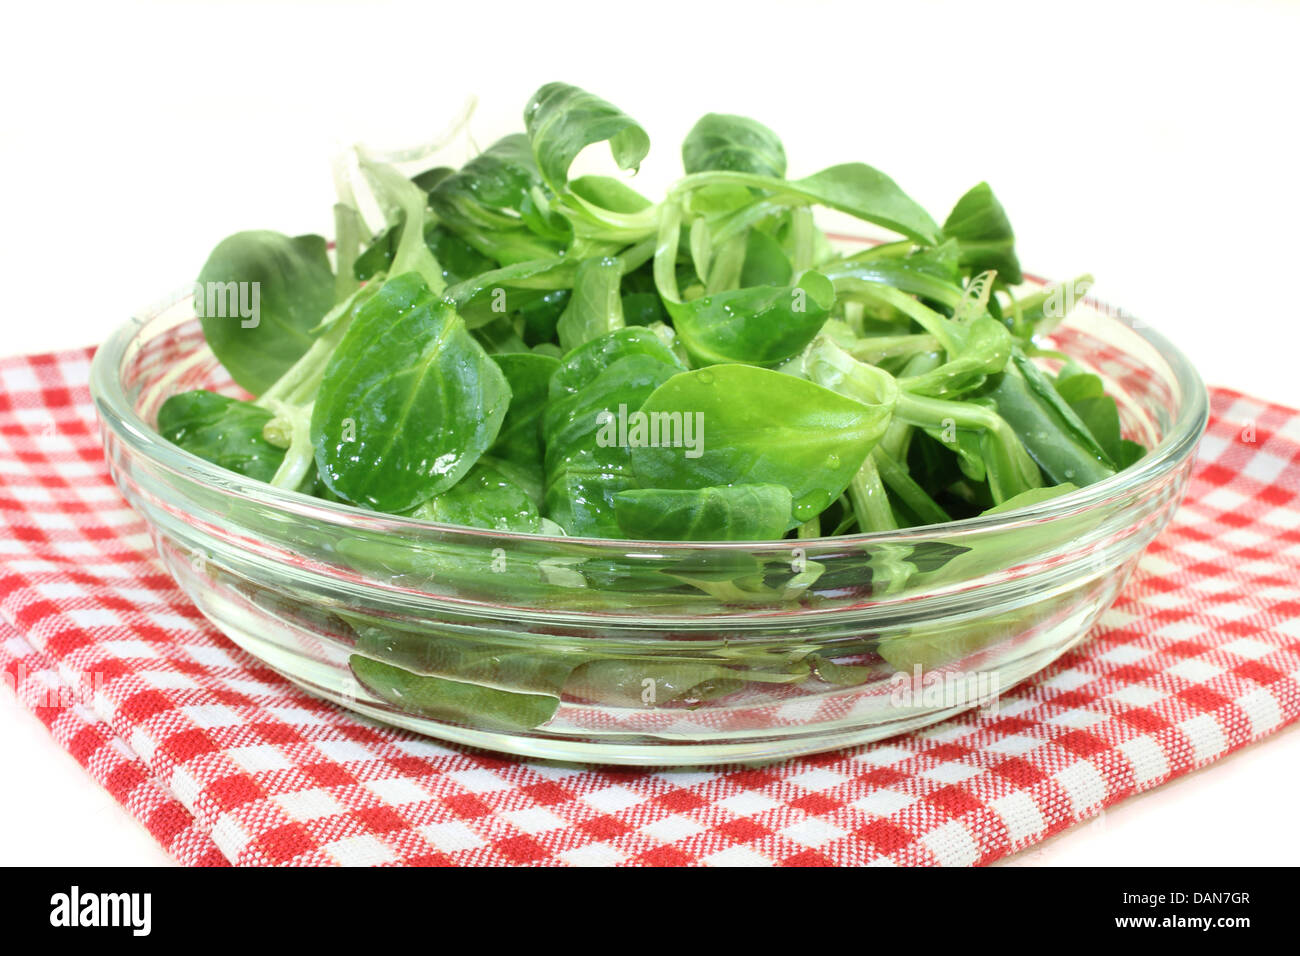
(1180,441)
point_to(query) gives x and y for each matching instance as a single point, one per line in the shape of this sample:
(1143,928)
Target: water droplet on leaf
(811,505)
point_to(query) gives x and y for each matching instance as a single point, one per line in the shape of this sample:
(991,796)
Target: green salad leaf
(760,427)
(720,141)
(586,463)
(222,430)
(263,294)
(983,233)
(757,325)
(408,402)
(525,349)
(562,120)
(727,513)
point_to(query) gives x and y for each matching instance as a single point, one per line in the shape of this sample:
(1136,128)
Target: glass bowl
(648,653)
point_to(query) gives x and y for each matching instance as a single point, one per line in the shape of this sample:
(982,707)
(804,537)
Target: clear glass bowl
(651,653)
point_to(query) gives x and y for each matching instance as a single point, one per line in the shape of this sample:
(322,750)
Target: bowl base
(636,751)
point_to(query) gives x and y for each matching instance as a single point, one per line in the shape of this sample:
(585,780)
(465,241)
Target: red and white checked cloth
(224,761)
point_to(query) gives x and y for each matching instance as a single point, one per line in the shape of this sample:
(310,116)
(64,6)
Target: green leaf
(870,195)
(644,682)
(869,501)
(1039,312)
(408,402)
(489,295)
(449,676)
(983,233)
(1051,431)
(922,275)
(986,444)
(378,256)
(224,431)
(458,259)
(484,202)
(284,285)
(933,647)
(720,141)
(1100,415)
(1034,496)
(528,375)
(540,318)
(349,233)
(529,478)
(728,203)
(1042,385)
(949,333)
(853,188)
(985,350)
(500,337)
(765,261)
(523,367)
(496,181)
(895,475)
(761,325)
(761,427)
(596,306)
(830,366)
(583,470)
(727,513)
(562,120)
(484,498)
(431,177)
(609,193)
(643,308)
(404,205)
(1073,383)
(457,701)
(580,367)
(1130,453)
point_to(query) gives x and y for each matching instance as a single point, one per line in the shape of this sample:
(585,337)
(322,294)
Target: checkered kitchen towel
(224,761)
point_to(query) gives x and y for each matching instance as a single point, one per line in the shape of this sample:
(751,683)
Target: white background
(1152,144)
